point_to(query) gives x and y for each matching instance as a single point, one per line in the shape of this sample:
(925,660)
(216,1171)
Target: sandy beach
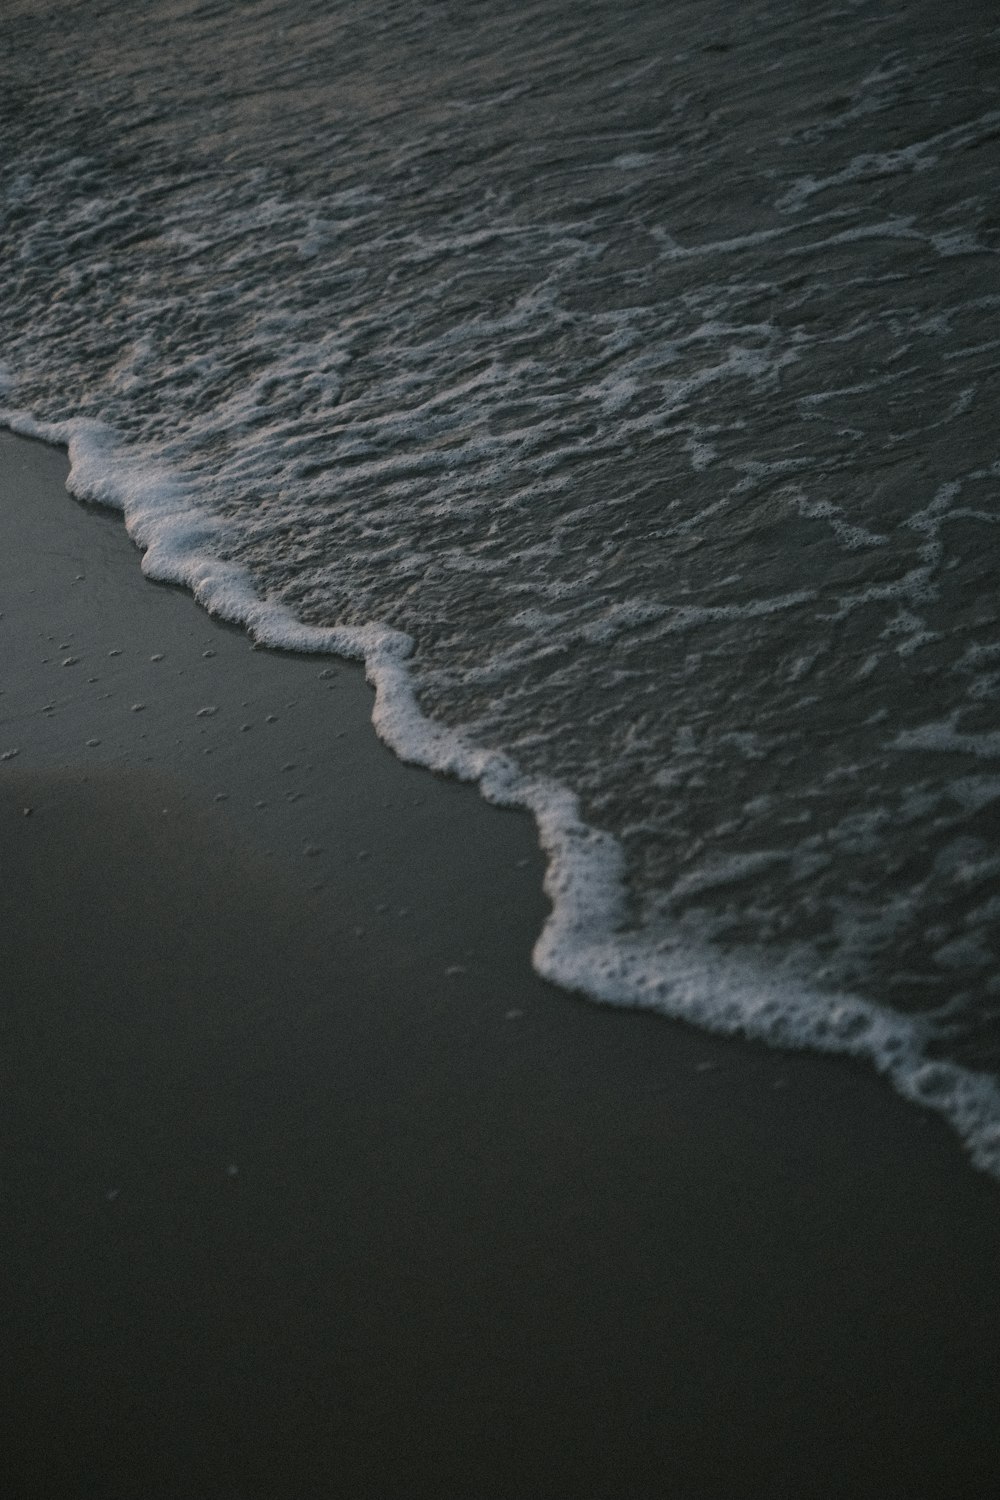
(313,1188)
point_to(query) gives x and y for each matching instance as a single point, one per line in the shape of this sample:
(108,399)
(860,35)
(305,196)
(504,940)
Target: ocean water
(621,381)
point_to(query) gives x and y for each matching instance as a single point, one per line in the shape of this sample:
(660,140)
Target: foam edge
(585,946)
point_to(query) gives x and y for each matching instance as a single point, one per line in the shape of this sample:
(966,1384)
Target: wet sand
(312,1188)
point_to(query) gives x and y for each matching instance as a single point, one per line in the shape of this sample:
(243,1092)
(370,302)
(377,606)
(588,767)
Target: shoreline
(482,1237)
(580,946)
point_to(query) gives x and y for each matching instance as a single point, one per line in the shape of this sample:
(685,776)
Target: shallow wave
(625,396)
(586,944)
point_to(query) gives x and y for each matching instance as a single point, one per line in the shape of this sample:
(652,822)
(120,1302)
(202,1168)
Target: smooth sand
(312,1188)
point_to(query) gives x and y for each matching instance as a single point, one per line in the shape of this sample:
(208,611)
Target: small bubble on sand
(115,652)
(157,656)
(222,797)
(207,712)
(271,719)
(260,804)
(70,661)
(208,653)
(327,672)
(92,743)
(137,708)
(92,680)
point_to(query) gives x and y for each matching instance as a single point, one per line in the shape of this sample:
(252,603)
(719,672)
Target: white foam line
(583,946)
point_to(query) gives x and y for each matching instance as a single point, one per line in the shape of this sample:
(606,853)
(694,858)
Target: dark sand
(296,1210)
